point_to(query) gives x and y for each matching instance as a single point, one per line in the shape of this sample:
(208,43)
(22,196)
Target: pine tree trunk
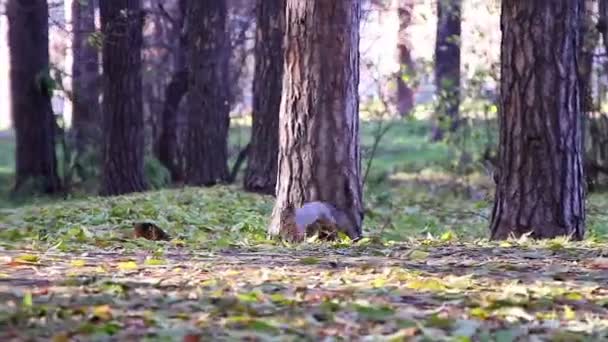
(319,154)
(33,118)
(261,173)
(540,182)
(123,123)
(405,76)
(206,147)
(86,118)
(447,66)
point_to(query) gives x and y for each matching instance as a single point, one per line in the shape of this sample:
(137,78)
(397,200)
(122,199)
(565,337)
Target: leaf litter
(71,271)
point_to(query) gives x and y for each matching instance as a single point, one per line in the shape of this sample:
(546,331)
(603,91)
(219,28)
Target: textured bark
(319,154)
(540,182)
(167,149)
(123,122)
(32,114)
(404,78)
(206,147)
(86,117)
(447,66)
(261,173)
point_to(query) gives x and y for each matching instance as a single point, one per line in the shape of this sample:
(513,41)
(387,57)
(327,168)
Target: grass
(425,271)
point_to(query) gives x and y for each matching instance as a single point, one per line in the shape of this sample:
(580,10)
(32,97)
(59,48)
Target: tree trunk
(589,41)
(405,77)
(594,129)
(123,124)
(85,78)
(319,155)
(167,148)
(540,182)
(447,67)
(206,147)
(31,90)
(261,173)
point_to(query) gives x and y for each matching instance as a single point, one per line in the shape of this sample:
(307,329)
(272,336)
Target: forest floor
(72,271)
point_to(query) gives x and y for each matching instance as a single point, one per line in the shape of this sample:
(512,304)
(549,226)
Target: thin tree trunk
(447,67)
(167,149)
(540,182)
(33,118)
(206,147)
(405,77)
(319,154)
(123,124)
(261,173)
(86,118)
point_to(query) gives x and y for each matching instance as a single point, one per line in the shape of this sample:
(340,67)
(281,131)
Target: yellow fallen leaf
(103,312)
(569,313)
(27,259)
(127,266)
(418,255)
(61,337)
(78,263)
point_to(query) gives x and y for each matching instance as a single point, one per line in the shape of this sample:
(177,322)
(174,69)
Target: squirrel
(149,231)
(319,218)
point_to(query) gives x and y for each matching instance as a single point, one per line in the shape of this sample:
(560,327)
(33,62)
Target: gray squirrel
(318,217)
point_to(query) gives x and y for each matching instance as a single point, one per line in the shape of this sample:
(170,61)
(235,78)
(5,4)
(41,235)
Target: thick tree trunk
(447,66)
(319,154)
(404,78)
(33,118)
(206,147)
(123,124)
(540,182)
(86,117)
(261,173)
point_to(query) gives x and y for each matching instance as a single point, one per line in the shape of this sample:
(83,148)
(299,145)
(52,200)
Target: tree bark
(261,173)
(447,66)
(31,90)
(86,118)
(319,155)
(123,124)
(540,182)
(206,147)
(404,78)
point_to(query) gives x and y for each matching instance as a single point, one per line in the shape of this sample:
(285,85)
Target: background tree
(596,122)
(86,82)
(167,148)
(208,108)
(31,91)
(123,124)
(404,78)
(447,66)
(319,154)
(540,177)
(261,173)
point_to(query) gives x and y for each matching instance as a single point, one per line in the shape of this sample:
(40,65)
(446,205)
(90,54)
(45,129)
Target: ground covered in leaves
(72,271)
